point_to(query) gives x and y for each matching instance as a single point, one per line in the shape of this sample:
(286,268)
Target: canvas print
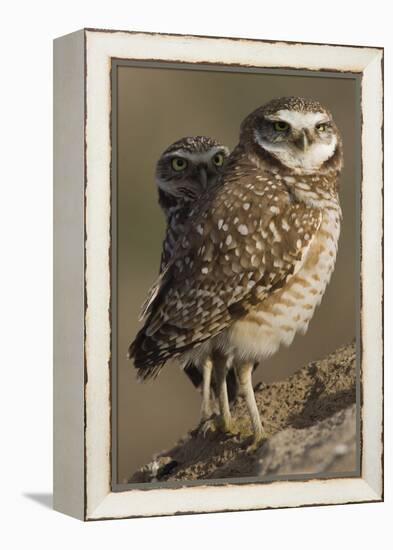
(235,275)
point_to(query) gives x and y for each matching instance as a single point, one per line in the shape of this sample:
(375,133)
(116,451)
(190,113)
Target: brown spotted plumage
(257,252)
(184,172)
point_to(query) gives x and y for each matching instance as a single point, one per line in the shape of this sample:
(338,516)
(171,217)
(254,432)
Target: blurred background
(155,107)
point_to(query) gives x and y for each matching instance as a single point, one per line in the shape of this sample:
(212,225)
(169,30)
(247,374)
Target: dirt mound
(309,418)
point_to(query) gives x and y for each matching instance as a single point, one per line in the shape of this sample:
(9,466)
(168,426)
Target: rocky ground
(309,418)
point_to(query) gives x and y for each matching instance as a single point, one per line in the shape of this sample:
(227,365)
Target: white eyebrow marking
(298,119)
(198,157)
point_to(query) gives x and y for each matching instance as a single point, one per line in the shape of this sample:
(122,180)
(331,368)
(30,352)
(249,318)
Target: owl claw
(255,445)
(206,426)
(217,424)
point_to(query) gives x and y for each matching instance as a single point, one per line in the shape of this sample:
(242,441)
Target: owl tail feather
(148,360)
(148,373)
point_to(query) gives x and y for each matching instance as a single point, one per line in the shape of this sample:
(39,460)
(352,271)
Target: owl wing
(174,230)
(245,242)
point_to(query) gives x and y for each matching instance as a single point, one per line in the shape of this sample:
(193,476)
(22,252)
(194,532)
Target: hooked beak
(301,141)
(202,174)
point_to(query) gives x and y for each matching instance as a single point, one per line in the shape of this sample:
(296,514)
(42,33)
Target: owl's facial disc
(301,141)
(185,175)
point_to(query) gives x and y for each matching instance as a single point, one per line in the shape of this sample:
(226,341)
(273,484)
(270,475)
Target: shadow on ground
(45,499)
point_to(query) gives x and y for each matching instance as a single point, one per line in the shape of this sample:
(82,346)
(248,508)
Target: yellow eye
(218,159)
(281,126)
(321,127)
(179,164)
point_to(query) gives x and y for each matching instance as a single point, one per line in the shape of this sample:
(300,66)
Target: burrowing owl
(257,255)
(184,172)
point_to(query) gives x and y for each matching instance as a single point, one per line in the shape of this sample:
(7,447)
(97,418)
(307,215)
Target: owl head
(300,134)
(187,168)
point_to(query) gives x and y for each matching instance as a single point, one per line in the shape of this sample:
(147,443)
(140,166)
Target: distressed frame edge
(356,491)
(235,38)
(372,485)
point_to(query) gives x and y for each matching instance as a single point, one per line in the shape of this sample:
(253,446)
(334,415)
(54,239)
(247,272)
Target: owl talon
(255,445)
(206,426)
(218,424)
(230,430)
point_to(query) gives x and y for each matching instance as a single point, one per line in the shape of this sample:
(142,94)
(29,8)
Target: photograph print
(235,274)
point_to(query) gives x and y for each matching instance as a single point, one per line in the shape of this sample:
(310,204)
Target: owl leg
(226,423)
(223,401)
(208,422)
(206,410)
(244,371)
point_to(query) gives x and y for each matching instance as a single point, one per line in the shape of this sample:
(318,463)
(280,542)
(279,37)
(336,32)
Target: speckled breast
(289,309)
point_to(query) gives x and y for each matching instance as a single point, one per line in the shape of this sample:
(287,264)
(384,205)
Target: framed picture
(218,236)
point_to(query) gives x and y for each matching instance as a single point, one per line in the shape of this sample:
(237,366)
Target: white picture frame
(82,335)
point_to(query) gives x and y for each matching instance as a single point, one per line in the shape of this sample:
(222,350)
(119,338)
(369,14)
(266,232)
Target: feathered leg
(244,371)
(206,410)
(223,401)
(215,377)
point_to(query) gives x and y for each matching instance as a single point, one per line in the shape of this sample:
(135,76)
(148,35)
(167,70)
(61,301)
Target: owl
(256,254)
(184,173)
